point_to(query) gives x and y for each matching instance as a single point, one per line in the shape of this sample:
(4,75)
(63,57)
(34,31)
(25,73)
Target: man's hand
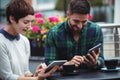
(91,59)
(76,60)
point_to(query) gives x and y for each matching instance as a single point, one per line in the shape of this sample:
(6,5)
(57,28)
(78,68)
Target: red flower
(35,29)
(90,17)
(53,19)
(40,21)
(38,15)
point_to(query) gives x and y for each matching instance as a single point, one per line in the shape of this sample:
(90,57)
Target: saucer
(75,72)
(110,70)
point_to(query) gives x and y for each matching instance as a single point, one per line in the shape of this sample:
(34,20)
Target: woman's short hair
(18,9)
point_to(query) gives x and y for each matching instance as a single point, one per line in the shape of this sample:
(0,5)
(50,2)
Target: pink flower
(53,19)
(35,29)
(38,15)
(40,21)
(90,17)
(43,31)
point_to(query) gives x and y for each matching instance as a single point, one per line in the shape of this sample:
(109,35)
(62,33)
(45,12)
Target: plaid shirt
(60,44)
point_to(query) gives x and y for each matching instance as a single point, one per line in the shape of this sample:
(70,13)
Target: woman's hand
(39,68)
(42,75)
(40,71)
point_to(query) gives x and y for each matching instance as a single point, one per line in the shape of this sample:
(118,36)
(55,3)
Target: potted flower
(38,31)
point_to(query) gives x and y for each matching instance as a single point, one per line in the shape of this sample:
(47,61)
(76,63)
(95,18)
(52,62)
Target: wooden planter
(35,50)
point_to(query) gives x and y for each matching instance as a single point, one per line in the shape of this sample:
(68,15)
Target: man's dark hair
(79,6)
(18,9)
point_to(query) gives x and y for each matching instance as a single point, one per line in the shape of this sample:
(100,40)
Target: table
(88,75)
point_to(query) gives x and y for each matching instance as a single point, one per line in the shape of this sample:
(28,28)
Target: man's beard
(74,28)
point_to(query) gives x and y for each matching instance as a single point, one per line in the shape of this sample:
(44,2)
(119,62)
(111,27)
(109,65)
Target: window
(3,4)
(45,1)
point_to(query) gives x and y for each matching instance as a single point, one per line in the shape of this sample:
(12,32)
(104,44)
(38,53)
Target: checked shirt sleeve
(50,49)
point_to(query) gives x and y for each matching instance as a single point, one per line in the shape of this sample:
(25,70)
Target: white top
(14,57)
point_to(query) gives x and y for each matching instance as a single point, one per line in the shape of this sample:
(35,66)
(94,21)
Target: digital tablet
(95,48)
(56,62)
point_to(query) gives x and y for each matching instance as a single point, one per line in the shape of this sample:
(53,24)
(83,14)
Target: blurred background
(101,10)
